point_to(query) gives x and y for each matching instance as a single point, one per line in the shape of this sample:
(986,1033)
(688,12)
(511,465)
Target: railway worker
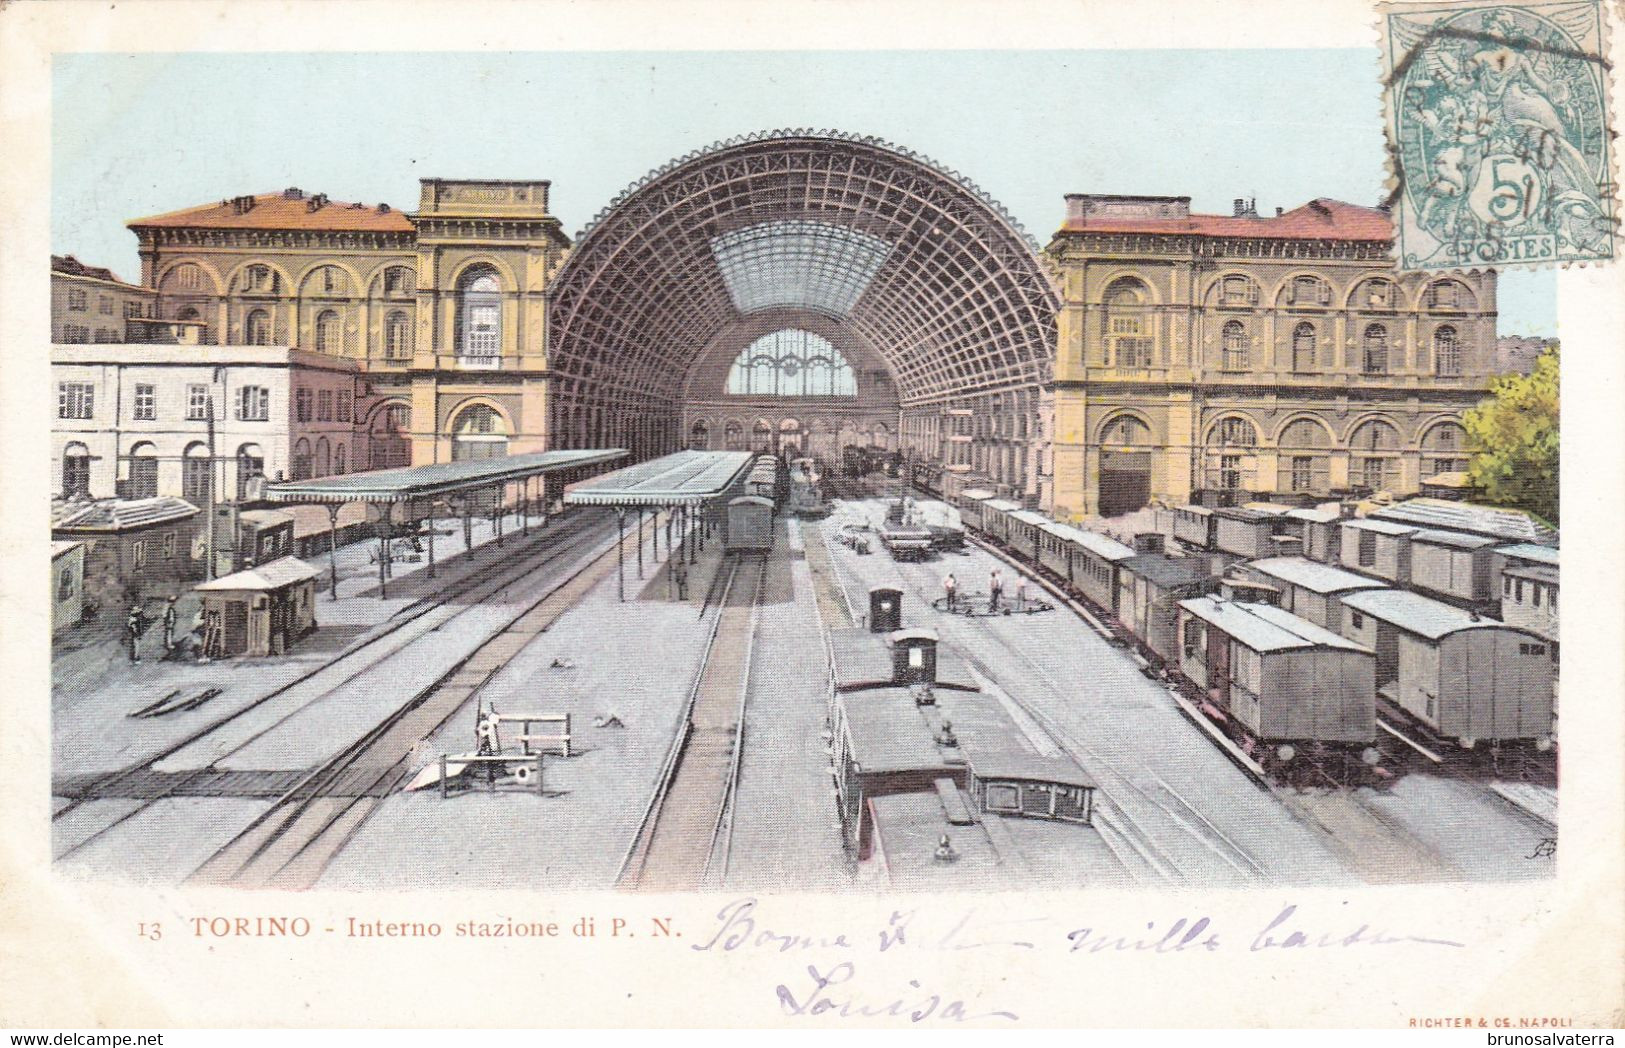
(132,633)
(169,626)
(995,589)
(950,586)
(1021,593)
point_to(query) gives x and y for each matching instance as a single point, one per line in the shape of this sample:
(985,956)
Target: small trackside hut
(261,611)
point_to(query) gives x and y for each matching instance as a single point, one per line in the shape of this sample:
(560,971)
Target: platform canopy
(442,478)
(685,478)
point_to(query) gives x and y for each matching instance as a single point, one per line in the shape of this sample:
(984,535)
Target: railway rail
(684,837)
(361,658)
(291,844)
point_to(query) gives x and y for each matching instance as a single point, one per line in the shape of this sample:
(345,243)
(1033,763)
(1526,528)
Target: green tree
(1516,432)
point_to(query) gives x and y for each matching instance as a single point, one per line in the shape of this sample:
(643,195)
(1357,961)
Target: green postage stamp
(1499,133)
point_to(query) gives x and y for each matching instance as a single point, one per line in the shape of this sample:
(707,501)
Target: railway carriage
(750,525)
(1247,531)
(1455,567)
(1195,527)
(996,519)
(1379,548)
(1280,682)
(1463,677)
(1094,567)
(972,503)
(1022,530)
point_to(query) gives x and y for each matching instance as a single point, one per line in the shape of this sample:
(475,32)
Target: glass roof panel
(798,264)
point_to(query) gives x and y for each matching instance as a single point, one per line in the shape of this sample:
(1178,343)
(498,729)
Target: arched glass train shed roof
(916,259)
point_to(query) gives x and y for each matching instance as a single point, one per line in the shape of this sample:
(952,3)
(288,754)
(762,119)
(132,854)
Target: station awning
(412,482)
(685,478)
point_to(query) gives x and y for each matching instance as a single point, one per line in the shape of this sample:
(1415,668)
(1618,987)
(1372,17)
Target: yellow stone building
(443,309)
(1259,354)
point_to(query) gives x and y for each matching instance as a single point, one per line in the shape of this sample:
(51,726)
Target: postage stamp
(1499,133)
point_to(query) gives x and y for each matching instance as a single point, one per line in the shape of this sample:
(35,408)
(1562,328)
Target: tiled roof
(284,211)
(70,266)
(1321,219)
(122,514)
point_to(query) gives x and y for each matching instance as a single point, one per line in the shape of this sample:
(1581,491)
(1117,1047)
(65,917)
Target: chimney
(293,193)
(1279,212)
(1246,207)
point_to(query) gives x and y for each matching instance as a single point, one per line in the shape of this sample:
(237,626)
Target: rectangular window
(1534,594)
(197,402)
(75,334)
(1506,585)
(138,553)
(1358,620)
(77,299)
(195,480)
(1303,472)
(146,402)
(1230,472)
(75,400)
(64,584)
(1518,589)
(253,404)
(104,305)
(132,310)
(169,545)
(324,405)
(301,405)
(344,406)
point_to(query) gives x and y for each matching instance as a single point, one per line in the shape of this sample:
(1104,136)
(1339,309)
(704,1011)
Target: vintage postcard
(823,515)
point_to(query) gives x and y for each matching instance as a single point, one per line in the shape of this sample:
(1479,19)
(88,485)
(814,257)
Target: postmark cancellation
(1500,135)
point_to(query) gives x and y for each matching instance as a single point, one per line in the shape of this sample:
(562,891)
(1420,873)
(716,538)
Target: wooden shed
(261,611)
(1462,675)
(1283,678)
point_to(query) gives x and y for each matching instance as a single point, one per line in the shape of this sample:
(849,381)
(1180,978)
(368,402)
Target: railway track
(354,662)
(683,840)
(290,845)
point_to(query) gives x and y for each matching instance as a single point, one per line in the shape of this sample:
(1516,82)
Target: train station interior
(803,523)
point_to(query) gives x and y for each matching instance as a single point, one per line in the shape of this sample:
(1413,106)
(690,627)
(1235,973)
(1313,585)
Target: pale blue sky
(142,134)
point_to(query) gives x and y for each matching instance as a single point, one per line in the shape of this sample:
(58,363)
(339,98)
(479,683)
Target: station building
(802,291)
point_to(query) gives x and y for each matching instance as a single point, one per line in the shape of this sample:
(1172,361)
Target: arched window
(479,317)
(399,281)
(1236,431)
(75,471)
(1374,450)
(1126,430)
(1444,450)
(1235,346)
(195,473)
(258,327)
(301,460)
(185,277)
(143,471)
(397,336)
(329,334)
(791,363)
(761,436)
(389,440)
(1304,351)
(1375,343)
(699,436)
(1304,460)
(1375,293)
(340,465)
(1129,334)
(259,280)
(324,458)
(250,464)
(733,437)
(1446,352)
(1238,290)
(479,432)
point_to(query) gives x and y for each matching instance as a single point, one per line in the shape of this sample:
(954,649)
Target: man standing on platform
(995,588)
(950,586)
(132,633)
(1021,593)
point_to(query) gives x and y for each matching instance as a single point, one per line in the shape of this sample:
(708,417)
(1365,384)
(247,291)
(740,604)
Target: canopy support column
(332,548)
(620,552)
(468,525)
(431,538)
(501,491)
(383,552)
(640,542)
(524,507)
